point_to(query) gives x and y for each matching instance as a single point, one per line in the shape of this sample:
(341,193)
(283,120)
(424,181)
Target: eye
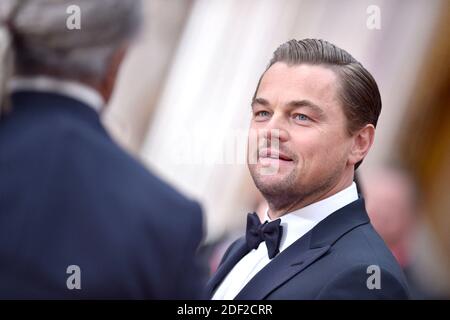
(261,115)
(301,117)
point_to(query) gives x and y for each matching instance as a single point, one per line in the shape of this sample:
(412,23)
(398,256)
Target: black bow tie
(257,232)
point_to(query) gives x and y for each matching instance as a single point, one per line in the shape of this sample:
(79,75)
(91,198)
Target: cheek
(312,145)
(338,155)
(321,150)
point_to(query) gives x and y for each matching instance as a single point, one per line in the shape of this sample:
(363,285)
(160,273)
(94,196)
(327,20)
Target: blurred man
(314,115)
(80,218)
(392,205)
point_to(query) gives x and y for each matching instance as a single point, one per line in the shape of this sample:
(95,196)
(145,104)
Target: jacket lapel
(304,252)
(282,268)
(235,253)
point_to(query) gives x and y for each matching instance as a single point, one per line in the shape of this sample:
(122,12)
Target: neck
(276,211)
(103,87)
(77,90)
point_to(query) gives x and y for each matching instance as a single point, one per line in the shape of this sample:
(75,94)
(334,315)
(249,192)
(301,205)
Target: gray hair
(34,37)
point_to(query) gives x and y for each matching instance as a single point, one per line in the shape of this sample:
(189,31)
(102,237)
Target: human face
(297,111)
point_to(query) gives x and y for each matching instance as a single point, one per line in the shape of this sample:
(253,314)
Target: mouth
(272,154)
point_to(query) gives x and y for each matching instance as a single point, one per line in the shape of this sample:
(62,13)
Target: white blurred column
(206,103)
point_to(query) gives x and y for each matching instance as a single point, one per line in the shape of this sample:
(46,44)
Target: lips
(273,154)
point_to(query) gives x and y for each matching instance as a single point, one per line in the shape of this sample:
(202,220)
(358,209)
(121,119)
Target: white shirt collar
(299,222)
(75,90)
(295,225)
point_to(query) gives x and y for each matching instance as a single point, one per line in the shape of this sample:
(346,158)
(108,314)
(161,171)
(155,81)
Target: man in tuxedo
(79,217)
(315,110)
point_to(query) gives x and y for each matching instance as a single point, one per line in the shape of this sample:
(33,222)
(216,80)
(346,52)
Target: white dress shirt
(295,224)
(72,89)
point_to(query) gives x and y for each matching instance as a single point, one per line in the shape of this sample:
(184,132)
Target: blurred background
(182,105)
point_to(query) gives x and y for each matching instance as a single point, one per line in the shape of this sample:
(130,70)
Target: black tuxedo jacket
(342,257)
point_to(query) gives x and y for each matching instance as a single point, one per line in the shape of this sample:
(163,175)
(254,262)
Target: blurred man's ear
(107,86)
(362,141)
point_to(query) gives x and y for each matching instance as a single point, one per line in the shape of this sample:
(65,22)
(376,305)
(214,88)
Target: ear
(109,82)
(362,141)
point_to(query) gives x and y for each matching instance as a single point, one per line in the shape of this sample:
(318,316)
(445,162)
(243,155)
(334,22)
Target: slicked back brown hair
(358,92)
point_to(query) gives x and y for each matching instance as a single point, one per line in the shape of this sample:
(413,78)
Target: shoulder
(92,154)
(363,245)
(119,189)
(364,282)
(363,268)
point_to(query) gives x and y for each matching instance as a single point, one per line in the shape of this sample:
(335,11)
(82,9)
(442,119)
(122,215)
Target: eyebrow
(293,104)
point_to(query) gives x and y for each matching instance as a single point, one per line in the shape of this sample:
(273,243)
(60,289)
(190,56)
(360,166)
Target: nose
(275,130)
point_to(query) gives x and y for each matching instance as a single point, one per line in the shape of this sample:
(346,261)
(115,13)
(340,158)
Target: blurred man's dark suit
(70,196)
(329,262)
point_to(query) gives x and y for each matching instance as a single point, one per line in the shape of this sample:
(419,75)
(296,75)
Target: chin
(275,183)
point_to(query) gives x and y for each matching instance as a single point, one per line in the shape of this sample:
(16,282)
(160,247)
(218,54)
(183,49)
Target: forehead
(283,82)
